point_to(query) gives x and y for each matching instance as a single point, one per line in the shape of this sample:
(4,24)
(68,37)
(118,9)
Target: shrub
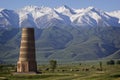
(118,62)
(53,65)
(111,62)
(101,68)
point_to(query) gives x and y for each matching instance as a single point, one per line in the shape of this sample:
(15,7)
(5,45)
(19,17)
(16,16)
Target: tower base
(26,73)
(26,67)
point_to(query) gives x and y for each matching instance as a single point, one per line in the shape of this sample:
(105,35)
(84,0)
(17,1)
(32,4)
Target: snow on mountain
(93,17)
(42,17)
(86,17)
(115,14)
(1,9)
(39,16)
(65,10)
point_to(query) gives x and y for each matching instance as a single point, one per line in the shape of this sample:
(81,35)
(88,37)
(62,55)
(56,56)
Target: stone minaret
(27,59)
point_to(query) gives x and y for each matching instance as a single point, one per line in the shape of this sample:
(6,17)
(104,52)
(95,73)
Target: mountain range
(62,33)
(42,17)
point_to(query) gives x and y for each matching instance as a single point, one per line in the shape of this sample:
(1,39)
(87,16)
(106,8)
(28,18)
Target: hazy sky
(107,5)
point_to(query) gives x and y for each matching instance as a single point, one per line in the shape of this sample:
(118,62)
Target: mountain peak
(90,7)
(30,8)
(1,9)
(94,10)
(65,9)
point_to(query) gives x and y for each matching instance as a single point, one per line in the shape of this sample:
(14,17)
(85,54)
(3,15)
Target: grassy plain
(83,71)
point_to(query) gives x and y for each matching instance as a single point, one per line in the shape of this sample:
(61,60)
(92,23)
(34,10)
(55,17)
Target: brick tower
(27,59)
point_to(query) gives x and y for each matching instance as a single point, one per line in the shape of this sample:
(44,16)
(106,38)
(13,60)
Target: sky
(106,5)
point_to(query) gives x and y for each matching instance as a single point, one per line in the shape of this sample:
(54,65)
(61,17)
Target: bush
(4,68)
(53,65)
(118,62)
(111,62)
(101,68)
(1,68)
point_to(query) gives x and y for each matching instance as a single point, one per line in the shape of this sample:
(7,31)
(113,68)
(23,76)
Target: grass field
(66,72)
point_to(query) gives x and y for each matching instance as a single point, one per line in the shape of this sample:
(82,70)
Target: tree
(100,65)
(111,62)
(53,65)
(118,62)
(1,68)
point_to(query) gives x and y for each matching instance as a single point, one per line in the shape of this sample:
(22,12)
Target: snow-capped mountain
(65,10)
(93,17)
(42,17)
(38,16)
(115,14)
(63,37)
